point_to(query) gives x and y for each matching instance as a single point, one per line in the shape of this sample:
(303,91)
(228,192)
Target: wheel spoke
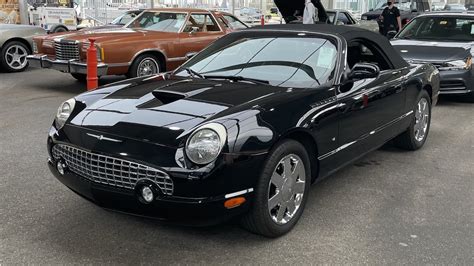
(281,212)
(287,168)
(299,172)
(299,187)
(274,201)
(291,207)
(277,180)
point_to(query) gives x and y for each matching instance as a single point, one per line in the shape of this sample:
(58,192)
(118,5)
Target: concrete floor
(390,207)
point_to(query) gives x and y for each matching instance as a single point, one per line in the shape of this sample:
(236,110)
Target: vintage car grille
(66,50)
(110,171)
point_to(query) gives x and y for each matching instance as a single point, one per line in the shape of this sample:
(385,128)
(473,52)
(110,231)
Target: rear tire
(13,56)
(58,28)
(416,134)
(281,192)
(145,65)
(80,77)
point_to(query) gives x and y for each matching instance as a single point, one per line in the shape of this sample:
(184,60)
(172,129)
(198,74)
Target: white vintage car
(16,42)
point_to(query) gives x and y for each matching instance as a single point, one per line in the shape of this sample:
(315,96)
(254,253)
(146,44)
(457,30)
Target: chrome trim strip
(322,157)
(120,64)
(101,137)
(373,132)
(238,193)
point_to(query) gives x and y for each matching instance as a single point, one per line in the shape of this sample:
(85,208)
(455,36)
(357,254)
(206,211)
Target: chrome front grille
(67,50)
(110,171)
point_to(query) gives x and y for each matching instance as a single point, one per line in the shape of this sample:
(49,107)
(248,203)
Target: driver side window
(363,52)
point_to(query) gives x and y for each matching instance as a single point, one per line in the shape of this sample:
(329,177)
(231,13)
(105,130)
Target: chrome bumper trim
(66,66)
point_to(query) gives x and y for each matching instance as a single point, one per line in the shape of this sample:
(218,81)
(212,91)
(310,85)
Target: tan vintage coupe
(157,40)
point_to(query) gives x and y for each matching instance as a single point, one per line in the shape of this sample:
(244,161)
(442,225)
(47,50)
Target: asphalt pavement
(392,206)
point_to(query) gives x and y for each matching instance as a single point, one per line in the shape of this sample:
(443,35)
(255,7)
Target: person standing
(390,19)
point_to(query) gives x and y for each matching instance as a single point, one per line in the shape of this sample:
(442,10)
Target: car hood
(107,34)
(160,110)
(431,51)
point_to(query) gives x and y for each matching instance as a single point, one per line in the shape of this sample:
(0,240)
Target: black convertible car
(244,127)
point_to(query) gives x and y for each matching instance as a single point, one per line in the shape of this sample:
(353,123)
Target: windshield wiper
(193,73)
(238,78)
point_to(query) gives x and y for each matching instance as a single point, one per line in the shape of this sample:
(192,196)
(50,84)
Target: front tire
(281,192)
(144,65)
(13,56)
(415,136)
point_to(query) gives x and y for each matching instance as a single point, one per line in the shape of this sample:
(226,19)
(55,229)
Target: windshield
(439,29)
(124,19)
(402,5)
(282,61)
(159,21)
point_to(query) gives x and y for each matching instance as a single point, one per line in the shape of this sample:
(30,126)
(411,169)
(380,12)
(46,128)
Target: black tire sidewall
(132,73)
(79,77)
(260,206)
(3,61)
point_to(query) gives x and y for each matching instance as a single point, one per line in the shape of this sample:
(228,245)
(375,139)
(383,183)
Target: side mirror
(194,30)
(391,34)
(363,71)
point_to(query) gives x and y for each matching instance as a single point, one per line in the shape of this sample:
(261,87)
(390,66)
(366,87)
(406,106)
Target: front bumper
(456,82)
(66,66)
(181,210)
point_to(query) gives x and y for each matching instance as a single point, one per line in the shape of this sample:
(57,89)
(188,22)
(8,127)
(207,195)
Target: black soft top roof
(349,33)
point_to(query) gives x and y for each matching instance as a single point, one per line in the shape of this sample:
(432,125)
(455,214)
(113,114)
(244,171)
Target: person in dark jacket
(390,19)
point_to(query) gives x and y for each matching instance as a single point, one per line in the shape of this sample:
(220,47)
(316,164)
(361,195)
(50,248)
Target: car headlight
(206,143)
(64,111)
(363,18)
(100,51)
(460,64)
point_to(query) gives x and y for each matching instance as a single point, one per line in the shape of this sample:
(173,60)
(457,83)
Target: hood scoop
(166,96)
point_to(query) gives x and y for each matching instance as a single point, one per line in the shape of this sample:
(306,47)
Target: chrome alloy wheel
(15,57)
(286,189)
(422,116)
(148,66)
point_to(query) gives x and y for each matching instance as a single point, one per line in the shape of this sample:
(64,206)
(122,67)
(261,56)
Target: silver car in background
(16,42)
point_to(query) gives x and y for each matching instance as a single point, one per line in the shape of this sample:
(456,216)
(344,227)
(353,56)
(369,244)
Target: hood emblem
(101,137)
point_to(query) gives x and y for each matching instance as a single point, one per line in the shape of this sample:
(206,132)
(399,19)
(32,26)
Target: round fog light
(147,194)
(61,168)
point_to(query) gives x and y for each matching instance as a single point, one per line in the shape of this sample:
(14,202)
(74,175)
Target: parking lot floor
(392,206)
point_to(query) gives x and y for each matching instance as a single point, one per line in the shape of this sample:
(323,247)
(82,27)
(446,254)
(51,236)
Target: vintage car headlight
(64,111)
(206,143)
(100,51)
(459,64)
(48,43)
